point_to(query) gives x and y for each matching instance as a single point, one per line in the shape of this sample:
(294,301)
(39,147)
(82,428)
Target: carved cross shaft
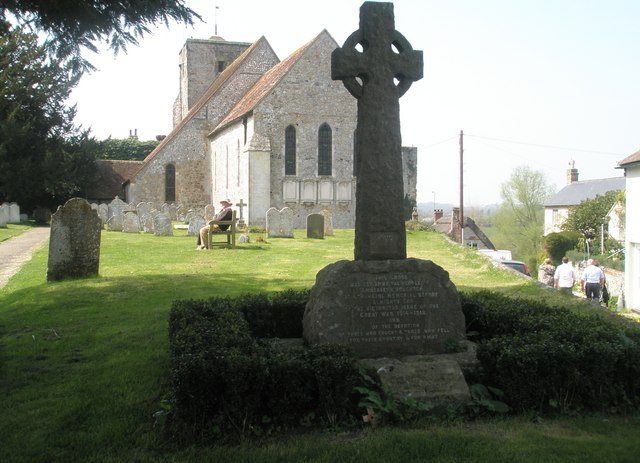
(378,76)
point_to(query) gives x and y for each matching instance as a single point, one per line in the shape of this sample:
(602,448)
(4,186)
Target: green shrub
(546,358)
(226,382)
(556,245)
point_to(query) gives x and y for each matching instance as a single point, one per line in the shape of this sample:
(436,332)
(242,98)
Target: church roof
(576,192)
(214,88)
(109,177)
(264,86)
(629,160)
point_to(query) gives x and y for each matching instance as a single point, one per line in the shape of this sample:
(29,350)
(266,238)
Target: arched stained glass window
(324,150)
(290,150)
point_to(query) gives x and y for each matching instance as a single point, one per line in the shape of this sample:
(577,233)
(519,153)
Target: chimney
(437,215)
(572,173)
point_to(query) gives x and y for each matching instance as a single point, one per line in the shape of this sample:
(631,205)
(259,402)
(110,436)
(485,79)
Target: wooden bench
(229,233)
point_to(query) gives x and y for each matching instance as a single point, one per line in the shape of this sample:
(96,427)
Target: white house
(556,209)
(631,166)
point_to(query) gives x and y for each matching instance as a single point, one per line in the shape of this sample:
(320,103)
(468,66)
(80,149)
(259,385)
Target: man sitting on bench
(225,214)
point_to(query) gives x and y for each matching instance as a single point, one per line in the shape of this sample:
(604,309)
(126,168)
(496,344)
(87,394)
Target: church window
(290,151)
(324,150)
(170,183)
(220,65)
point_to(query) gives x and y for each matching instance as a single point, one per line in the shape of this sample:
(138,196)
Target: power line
(545,146)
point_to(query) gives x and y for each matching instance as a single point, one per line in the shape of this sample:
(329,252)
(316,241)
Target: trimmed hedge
(226,381)
(546,358)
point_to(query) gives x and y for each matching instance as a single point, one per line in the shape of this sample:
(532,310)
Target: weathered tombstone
(14,213)
(116,207)
(315,226)
(4,215)
(180,212)
(209,212)
(382,304)
(328,222)
(142,209)
(189,216)
(147,221)
(162,225)
(24,217)
(165,209)
(74,244)
(279,223)
(103,212)
(195,224)
(114,223)
(173,211)
(131,222)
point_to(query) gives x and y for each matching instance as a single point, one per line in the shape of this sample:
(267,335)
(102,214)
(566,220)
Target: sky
(536,83)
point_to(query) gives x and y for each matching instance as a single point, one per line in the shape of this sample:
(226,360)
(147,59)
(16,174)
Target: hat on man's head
(225,201)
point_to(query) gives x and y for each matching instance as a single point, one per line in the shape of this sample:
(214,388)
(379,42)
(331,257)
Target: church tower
(200,62)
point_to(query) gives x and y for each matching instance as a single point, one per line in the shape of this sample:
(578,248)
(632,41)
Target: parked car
(517,265)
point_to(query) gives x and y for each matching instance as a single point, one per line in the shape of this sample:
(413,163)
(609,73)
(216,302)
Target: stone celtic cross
(378,76)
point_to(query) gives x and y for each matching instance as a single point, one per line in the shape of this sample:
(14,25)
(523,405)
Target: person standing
(546,271)
(564,277)
(592,280)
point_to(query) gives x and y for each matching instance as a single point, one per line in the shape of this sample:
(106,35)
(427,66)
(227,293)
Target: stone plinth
(386,308)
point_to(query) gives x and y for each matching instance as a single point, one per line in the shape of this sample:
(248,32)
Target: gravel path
(15,251)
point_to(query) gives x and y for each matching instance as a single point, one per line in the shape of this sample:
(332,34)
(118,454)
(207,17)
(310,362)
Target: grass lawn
(84,363)
(13,229)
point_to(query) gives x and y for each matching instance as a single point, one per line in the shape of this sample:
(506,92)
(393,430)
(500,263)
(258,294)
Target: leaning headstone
(173,211)
(195,224)
(162,225)
(280,223)
(14,213)
(142,209)
(189,216)
(4,215)
(180,213)
(74,243)
(131,223)
(315,226)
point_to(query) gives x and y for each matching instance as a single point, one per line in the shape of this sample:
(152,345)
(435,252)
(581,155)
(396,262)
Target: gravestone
(195,224)
(116,208)
(241,205)
(147,221)
(279,223)
(383,305)
(103,212)
(131,222)
(315,226)
(162,225)
(4,215)
(142,208)
(114,223)
(14,213)
(328,222)
(74,243)
(209,212)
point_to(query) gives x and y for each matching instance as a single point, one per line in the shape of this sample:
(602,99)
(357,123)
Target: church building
(261,132)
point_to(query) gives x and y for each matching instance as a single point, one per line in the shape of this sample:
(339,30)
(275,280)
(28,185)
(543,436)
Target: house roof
(576,192)
(263,87)
(629,160)
(214,88)
(109,177)
(443,225)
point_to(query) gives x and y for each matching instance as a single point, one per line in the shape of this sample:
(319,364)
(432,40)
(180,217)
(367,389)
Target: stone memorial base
(385,308)
(401,317)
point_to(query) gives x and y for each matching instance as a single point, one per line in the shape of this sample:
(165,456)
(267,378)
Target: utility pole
(215,19)
(461,193)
